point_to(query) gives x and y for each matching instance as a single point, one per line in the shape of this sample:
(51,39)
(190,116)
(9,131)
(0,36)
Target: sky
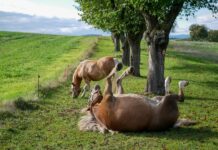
(61,17)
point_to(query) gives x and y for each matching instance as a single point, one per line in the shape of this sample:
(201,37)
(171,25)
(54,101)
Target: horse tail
(118,64)
(88,123)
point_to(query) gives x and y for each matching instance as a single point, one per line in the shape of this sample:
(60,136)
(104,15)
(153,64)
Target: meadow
(51,123)
(25,56)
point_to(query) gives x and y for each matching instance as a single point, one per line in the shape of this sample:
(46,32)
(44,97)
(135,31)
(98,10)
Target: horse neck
(76,79)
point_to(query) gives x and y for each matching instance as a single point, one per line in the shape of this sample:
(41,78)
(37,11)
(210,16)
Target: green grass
(52,124)
(24,56)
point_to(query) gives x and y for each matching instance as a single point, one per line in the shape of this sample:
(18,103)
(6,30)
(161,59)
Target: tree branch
(151,21)
(113,4)
(171,15)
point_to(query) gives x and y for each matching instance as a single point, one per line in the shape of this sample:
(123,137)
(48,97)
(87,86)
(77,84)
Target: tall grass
(52,124)
(24,56)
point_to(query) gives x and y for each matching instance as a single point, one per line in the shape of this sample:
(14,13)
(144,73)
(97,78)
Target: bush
(213,36)
(198,32)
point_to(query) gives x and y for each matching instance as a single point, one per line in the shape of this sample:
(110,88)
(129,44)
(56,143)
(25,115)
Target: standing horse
(130,112)
(92,70)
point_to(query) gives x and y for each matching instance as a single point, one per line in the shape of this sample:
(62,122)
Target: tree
(126,50)
(160,16)
(213,35)
(198,32)
(119,17)
(116,40)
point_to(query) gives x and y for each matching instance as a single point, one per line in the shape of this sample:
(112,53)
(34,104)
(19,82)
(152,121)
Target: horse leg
(167,85)
(108,86)
(127,72)
(86,87)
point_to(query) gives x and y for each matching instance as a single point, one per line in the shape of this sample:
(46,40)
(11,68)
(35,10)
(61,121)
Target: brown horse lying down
(130,112)
(92,70)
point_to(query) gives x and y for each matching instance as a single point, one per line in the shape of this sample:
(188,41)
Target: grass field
(52,122)
(24,56)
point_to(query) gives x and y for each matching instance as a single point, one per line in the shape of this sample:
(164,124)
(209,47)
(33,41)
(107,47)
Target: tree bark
(157,40)
(126,50)
(134,43)
(156,52)
(116,40)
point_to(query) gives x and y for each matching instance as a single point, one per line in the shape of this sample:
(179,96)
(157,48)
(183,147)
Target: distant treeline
(201,32)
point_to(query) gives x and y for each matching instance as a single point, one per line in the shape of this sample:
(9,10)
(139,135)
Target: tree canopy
(198,32)
(213,35)
(164,12)
(114,15)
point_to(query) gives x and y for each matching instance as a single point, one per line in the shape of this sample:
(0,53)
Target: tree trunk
(126,50)
(116,40)
(156,51)
(134,43)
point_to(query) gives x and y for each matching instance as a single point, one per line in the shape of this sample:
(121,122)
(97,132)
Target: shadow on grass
(211,84)
(6,114)
(142,77)
(202,133)
(22,104)
(201,98)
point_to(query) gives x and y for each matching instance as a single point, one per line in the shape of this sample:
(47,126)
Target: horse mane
(76,79)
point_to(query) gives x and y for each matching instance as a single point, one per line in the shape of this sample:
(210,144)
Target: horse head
(75,90)
(96,95)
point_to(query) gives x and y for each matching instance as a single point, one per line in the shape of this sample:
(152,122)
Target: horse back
(106,64)
(96,70)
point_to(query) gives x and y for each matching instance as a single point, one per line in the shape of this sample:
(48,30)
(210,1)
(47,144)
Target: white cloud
(68,29)
(27,23)
(206,19)
(30,7)
(23,20)
(203,17)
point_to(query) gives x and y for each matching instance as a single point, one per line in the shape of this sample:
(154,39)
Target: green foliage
(198,32)
(23,56)
(54,124)
(213,35)
(115,16)
(161,14)
(161,8)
